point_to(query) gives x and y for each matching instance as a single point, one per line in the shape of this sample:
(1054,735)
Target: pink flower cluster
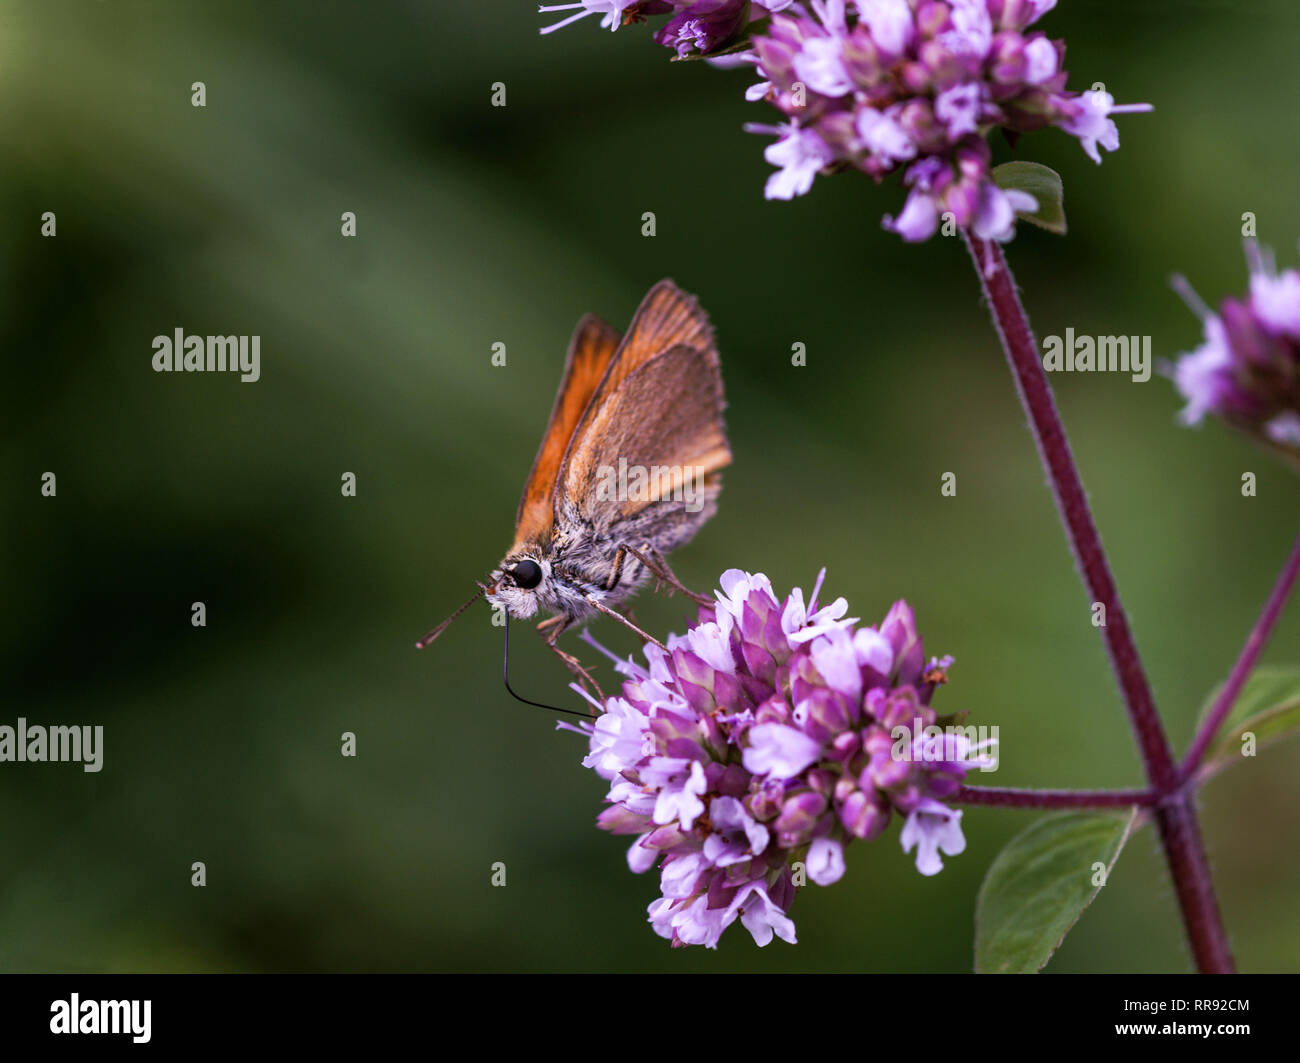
(892,86)
(767,738)
(1247,371)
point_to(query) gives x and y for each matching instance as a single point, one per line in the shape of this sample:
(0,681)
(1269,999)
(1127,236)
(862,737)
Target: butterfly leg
(659,566)
(616,570)
(645,636)
(571,662)
(551,622)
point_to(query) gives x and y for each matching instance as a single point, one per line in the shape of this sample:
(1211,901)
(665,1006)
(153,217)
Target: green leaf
(1041,182)
(1040,884)
(1268,706)
(1266,688)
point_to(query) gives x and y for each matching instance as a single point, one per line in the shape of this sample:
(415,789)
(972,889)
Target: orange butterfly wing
(666,415)
(591,350)
(660,402)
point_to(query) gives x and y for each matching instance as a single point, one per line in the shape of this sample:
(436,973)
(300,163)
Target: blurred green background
(477,225)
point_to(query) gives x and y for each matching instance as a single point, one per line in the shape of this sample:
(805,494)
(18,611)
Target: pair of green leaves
(1040,884)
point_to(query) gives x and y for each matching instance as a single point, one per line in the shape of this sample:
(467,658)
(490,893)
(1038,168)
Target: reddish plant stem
(1067,488)
(1190,870)
(1184,851)
(1014,798)
(1245,663)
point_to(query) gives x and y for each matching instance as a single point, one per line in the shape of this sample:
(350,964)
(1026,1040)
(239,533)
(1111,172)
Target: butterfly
(627,471)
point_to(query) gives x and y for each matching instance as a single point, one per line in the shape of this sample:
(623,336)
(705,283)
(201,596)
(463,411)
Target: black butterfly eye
(527,574)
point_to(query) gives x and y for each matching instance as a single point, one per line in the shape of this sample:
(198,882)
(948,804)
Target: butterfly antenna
(505,675)
(433,634)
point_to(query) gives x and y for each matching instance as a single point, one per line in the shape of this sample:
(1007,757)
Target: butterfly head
(517,583)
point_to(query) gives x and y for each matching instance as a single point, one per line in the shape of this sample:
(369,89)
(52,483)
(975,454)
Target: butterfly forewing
(591,350)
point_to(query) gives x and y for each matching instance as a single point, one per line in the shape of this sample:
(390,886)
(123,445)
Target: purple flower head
(913,87)
(886,82)
(1247,370)
(769,736)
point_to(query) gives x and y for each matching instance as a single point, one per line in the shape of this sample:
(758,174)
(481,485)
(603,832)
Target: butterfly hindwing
(666,318)
(665,415)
